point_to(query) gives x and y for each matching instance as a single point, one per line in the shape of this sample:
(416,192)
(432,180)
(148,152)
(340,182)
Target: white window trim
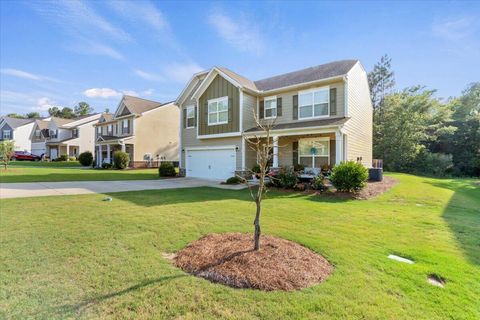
(9,134)
(187,109)
(39,133)
(99,130)
(327,88)
(274,98)
(110,126)
(208,113)
(314,156)
(125,123)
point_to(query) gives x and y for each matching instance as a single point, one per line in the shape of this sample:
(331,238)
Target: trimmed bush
(349,176)
(166,169)
(85,158)
(317,183)
(72,158)
(284,178)
(120,160)
(233,180)
(63,157)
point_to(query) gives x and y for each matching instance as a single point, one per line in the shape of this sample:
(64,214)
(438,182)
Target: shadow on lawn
(462,215)
(74,309)
(150,198)
(89,175)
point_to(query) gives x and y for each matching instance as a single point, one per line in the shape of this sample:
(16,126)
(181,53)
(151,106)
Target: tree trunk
(257,225)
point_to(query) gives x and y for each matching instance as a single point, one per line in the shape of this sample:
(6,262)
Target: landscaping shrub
(317,183)
(120,159)
(166,169)
(107,165)
(284,178)
(72,158)
(349,176)
(85,158)
(256,169)
(63,157)
(233,180)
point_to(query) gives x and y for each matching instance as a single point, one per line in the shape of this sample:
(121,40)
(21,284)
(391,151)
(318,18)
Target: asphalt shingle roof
(138,105)
(306,124)
(17,122)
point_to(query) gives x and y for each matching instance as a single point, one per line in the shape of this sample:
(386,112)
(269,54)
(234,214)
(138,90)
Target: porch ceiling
(311,124)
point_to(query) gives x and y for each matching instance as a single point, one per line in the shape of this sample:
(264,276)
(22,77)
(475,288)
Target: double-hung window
(125,127)
(37,133)
(7,134)
(110,130)
(75,133)
(218,111)
(99,131)
(270,107)
(190,117)
(314,103)
(314,152)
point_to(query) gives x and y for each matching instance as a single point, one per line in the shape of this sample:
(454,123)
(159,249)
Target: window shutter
(279,107)
(195,117)
(333,101)
(184,117)
(295,107)
(230,109)
(295,152)
(261,110)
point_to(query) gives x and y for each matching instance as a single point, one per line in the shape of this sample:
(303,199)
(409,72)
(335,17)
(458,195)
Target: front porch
(104,152)
(54,150)
(314,150)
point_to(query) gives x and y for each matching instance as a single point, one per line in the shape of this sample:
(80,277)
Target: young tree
(263,147)
(67,113)
(7,150)
(82,109)
(54,112)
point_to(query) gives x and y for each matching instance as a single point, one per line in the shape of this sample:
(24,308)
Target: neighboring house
(70,136)
(18,130)
(322,114)
(147,130)
(38,136)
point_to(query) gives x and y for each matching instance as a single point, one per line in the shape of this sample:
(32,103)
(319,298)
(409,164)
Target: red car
(25,156)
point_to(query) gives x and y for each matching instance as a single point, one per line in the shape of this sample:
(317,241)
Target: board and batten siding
(360,111)
(217,89)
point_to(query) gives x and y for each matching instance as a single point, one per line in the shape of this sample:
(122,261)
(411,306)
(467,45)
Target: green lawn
(57,164)
(44,174)
(81,257)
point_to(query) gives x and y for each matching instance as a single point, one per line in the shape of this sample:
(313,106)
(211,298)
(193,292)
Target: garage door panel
(211,163)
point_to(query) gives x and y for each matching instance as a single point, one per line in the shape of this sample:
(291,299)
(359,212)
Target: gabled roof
(323,71)
(247,83)
(62,121)
(42,124)
(17,122)
(138,105)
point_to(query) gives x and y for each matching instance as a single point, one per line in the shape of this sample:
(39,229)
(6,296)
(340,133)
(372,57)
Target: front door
(53,153)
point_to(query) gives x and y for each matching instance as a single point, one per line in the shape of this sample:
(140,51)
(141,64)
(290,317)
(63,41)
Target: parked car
(25,156)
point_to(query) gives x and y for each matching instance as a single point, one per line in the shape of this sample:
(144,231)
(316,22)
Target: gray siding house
(322,116)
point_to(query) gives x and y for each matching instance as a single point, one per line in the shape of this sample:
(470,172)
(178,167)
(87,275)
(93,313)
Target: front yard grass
(57,164)
(55,174)
(81,257)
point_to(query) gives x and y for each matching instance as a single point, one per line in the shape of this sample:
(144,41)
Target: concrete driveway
(39,189)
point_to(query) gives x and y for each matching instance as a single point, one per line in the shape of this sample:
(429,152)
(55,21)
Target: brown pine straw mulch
(229,259)
(375,188)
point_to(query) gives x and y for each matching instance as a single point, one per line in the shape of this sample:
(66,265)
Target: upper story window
(218,111)
(110,130)
(99,130)
(75,133)
(53,134)
(37,133)
(270,107)
(190,117)
(125,126)
(7,134)
(313,103)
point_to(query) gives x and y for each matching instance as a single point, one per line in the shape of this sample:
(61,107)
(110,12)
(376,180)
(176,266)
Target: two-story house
(147,130)
(38,136)
(69,136)
(322,116)
(18,130)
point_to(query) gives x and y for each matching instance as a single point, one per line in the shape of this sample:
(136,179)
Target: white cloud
(144,11)
(454,29)
(104,93)
(20,74)
(95,48)
(43,104)
(241,34)
(147,75)
(131,93)
(182,72)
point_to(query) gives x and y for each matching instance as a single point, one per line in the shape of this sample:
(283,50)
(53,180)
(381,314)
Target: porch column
(338,147)
(108,153)
(275,151)
(123,147)
(100,159)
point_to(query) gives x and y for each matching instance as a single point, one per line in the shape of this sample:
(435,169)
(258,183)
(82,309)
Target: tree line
(81,109)
(414,131)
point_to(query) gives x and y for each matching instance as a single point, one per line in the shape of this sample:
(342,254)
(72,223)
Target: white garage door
(38,149)
(211,164)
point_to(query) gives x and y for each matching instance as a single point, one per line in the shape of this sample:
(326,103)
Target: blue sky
(57,53)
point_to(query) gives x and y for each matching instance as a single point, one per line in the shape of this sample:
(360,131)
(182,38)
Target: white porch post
(123,147)
(100,159)
(275,151)
(108,153)
(338,147)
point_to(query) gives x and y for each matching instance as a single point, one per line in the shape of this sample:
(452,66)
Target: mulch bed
(229,259)
(375,188)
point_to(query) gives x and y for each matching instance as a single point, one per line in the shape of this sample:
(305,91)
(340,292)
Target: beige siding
(156,132)
(248,109)
(359,127)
